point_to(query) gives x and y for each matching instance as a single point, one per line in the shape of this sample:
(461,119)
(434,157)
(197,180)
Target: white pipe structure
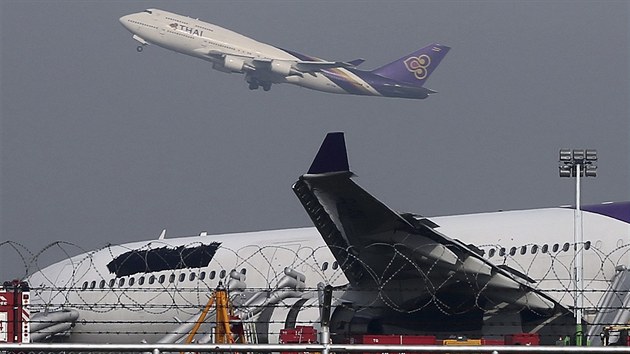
(312,348)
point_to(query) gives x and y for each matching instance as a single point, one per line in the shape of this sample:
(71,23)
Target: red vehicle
(14,312)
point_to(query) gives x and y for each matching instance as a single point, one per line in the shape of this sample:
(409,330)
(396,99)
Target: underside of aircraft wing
(313,66)
(281,66)
(296,67)
(402,257)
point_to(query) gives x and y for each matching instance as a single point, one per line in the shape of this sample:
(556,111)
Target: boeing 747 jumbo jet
(264,65)
(396,273)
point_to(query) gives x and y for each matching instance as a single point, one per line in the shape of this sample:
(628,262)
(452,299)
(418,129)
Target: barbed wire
(181,287)
(183,279)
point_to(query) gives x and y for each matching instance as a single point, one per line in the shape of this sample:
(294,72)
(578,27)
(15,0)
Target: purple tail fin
(414,69)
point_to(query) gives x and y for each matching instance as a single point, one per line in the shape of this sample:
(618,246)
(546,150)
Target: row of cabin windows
(181,34)
(204,28)
(533,249)
(176,20)
(212,275)
(171,278)
(152,279)
(142,24)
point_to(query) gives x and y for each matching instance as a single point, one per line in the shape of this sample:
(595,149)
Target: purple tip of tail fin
(332,155)
(414,69)
(616,210)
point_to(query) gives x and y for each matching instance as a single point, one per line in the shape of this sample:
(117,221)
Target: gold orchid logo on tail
(418,65)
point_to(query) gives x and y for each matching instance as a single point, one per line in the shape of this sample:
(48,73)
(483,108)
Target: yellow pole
(223,333)
(200,320)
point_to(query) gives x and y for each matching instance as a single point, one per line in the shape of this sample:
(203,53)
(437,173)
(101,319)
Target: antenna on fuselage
(162,235)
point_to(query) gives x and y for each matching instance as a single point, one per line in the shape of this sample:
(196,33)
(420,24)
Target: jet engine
(284,68)
(233,64)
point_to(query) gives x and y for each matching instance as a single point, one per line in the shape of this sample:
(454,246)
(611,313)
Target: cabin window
(587,245)
(182,277)
(555,247)
(502,252)
(243,271)
(101,284)
(93,284)
(491,252)
(152,279)
(202,275)
(565,247)
(325,266)
(171,278)
(112,282)
(222,274)
(161,279)
(545,248)
(512,251)
(84,286)
(534,249)
(121,282)
(141,281)
(191,277)
(131,281)
(335,265)
(212,275)
(523,249)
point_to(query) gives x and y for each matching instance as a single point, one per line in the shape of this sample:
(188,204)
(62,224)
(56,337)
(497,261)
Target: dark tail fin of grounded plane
(332,155)
(414,69)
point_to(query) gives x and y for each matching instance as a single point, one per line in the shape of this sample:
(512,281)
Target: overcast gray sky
(102,144)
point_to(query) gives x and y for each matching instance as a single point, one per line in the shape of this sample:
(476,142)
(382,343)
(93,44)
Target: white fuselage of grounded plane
(264,65)
(538,243)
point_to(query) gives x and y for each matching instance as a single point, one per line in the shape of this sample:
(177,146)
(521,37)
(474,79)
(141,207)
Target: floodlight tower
(578,163)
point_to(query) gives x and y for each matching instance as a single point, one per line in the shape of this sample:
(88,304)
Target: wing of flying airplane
(402,257)
(279,66)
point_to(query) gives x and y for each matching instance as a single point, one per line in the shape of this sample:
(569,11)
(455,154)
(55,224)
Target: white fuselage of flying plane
(264,65)
(538,243)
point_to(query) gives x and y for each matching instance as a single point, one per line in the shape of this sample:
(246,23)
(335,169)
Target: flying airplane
(478,274)
(264,65)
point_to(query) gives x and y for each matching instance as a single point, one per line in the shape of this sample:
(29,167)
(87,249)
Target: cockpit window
(149,11)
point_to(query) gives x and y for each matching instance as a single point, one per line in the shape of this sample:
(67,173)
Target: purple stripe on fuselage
(344,81)
(616,210)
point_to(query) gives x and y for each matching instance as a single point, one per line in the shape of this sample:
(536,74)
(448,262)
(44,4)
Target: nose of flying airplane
(125,22)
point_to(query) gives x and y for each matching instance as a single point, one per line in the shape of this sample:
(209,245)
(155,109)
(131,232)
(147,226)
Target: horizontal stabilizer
(332,155)
(356,62)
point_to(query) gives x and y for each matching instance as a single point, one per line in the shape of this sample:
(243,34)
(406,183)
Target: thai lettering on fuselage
(189,30)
